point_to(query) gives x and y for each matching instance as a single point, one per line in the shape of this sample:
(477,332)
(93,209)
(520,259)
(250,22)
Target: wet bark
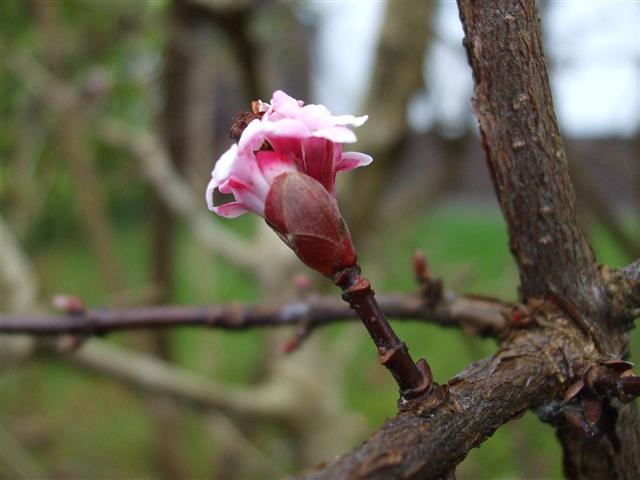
(397,76)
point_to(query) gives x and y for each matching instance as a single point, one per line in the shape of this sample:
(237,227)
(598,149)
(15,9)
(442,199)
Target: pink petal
(230,210)
(251,198)
(273,164)
(315,116)
(319,160)
(351,160)
(281,99)
(283,106)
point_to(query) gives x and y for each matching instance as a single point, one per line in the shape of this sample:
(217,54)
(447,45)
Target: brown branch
(632,272)
(481,315)
(431,438)
(529,170)
(396,77)
(412,379)
(623,288)
(526,157)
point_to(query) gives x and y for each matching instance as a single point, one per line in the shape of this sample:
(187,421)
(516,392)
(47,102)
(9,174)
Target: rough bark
(526,157)
(530,174)
(430,440)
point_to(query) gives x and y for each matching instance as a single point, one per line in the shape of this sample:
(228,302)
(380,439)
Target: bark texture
(530,174)
(525,154)
(429,439)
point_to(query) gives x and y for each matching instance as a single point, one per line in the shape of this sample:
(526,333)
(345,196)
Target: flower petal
(351,160)
(349,120)
(253,136)
(273,164)
(336,134)
(287,127)
(225,164)
(288,137)
(283,106)
(230,210)
(315,117)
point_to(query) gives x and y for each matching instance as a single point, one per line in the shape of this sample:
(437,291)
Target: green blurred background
(83,208)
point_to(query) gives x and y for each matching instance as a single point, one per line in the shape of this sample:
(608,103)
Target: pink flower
(288,137)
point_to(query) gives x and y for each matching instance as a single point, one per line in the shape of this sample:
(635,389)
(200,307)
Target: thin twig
(412,379)
(481,315)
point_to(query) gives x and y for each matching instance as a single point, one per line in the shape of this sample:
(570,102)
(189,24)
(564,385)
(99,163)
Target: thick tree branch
(632,272)
(396,77)
(429,439)
(526,157)
(483,316)
(530,174)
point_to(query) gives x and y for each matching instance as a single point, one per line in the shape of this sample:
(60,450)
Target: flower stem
(412,379)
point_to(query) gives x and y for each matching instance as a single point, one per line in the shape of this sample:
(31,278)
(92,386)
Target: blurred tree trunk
(397,76)
(73,140)
(186,124)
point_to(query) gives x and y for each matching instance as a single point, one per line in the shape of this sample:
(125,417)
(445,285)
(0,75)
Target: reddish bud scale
(306,217)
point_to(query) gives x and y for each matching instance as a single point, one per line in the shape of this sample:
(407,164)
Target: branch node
(302,286)
(69,304)
(301,333)
(430,288)
(393,353)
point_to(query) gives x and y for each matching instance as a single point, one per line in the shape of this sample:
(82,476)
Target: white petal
(287,127)
(225,163)
(209,194)
(336,134)
(350,120)
(252,136)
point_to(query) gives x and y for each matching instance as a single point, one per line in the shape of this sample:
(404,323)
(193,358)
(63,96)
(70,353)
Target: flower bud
(306,217)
